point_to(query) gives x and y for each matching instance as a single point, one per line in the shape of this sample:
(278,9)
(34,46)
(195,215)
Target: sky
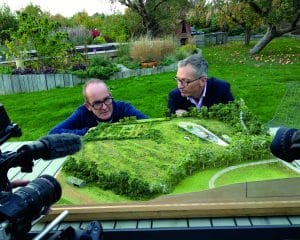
(67,8)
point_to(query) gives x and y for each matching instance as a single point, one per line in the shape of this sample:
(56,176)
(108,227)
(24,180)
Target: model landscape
(145,158)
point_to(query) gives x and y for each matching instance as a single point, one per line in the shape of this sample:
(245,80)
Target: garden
(261,81)
(52,49)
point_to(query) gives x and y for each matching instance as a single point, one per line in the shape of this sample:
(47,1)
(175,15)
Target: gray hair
(92,80)
(198,63)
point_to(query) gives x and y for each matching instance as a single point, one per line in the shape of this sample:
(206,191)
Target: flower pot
(148,64)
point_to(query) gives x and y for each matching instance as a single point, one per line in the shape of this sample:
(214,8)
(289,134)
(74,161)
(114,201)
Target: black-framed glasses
(185,82)
(99,104)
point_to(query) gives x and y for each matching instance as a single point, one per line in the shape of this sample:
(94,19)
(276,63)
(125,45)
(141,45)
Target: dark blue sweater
(217,91)
(82,119)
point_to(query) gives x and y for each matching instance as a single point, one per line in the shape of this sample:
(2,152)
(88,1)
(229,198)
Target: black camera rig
(19,209)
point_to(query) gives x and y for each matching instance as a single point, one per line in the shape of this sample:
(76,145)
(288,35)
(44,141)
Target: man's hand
(19,183)
(179,112)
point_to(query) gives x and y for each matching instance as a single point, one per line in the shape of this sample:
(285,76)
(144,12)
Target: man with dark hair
(195,89)
(99,107)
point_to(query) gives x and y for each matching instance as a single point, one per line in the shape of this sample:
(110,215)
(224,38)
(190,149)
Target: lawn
(261,81)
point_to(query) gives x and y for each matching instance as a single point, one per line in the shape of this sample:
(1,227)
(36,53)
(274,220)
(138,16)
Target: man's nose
(104,106)
(180,85)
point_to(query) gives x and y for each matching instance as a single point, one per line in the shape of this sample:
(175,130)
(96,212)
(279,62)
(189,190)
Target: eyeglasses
(184,82)
(99,104)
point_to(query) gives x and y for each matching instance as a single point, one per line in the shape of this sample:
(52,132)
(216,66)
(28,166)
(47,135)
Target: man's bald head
(92,87)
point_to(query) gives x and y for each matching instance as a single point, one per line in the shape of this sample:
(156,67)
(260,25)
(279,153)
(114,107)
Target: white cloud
(67,8)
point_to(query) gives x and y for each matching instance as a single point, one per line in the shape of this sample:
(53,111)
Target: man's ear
(203,81)
(88,106)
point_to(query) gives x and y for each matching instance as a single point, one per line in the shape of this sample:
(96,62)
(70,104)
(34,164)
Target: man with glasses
(99,107)
(194,88)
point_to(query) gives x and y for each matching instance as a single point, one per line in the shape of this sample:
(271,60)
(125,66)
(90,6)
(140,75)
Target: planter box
(10,84)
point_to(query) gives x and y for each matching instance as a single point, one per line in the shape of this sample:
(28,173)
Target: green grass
(197,182)
(256,173)
(260,80)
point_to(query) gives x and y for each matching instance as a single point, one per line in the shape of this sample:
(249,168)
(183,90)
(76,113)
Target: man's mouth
(105,112)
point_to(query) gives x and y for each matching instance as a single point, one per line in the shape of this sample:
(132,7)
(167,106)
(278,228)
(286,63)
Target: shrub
(4,69)
(145,50)
(99,40)
(180,54)
(185,50)
(189,48)
(124,57)
(98,67)
(168,60)
(79,36)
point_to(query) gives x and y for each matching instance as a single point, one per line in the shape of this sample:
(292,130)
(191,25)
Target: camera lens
(29,201)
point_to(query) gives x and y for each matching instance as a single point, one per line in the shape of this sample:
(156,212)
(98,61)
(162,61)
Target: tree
(38,32)
(134,24)
(114,28)
(151,11)
(177,11)
(199,15)
(280,16)
(61,20)
(83,19)
(8,22)
(235,12)
(146,9)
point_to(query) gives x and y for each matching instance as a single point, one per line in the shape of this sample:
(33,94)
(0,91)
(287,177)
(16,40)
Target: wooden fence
(10,84)
(144,71)
(36,82)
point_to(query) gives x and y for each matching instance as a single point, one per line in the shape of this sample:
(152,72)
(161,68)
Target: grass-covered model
(145,158)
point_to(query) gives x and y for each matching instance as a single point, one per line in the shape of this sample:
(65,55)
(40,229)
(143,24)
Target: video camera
(7,128)
(19,209)
(286,144)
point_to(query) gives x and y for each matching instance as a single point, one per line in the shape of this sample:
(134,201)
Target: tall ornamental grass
(145,50)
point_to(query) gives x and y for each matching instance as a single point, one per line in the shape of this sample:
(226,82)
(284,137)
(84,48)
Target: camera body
(18,209)
(286,144)
(7,127)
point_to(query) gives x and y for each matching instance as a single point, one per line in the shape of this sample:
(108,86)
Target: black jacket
(217,91)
